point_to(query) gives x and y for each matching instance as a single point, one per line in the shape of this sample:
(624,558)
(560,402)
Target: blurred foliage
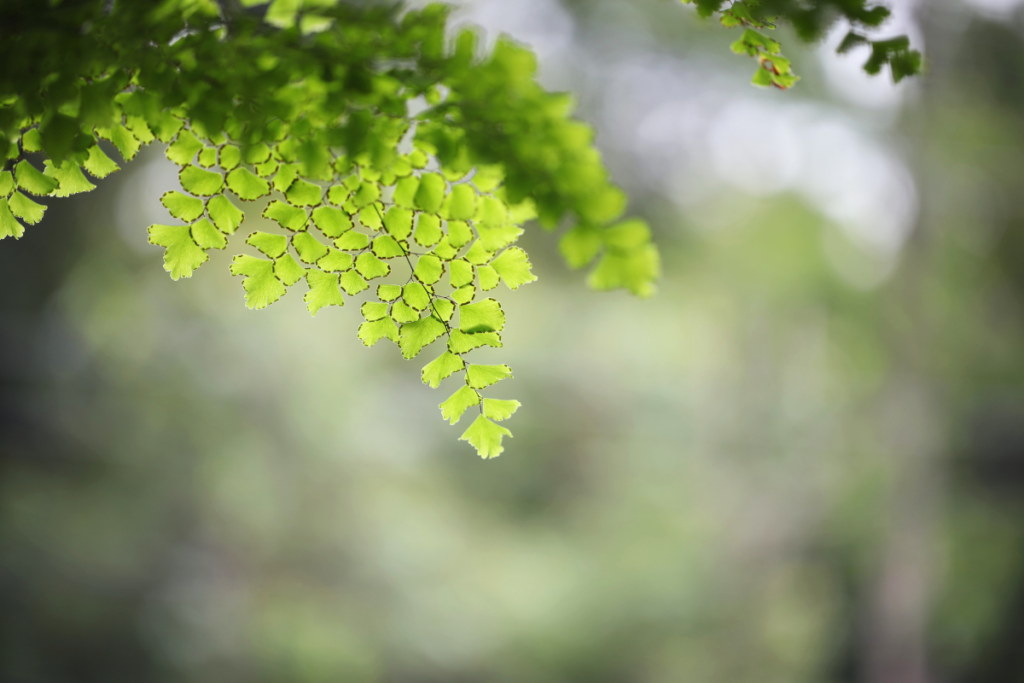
(810,20)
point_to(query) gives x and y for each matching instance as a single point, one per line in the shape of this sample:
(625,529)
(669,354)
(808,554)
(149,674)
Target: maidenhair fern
(311,106)
(390,157)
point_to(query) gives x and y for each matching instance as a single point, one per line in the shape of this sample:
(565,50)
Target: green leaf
(182,206)
(498,409)
(32,180)
(69,177)
(199,182)
(270,244)
(488,277)
(207,236)
(9,225)
(207,157)
(353,240)
(634,270)
(184,148)
(416,296)
(331,222)
(371,333)
(405,192)
(336,261)
(261,287)
(323,291)
(485,316)
(404,313)
(352,282)
(126,143)
(461,273)
(429,269)
(370,267)
(398,221)
(460,342)
(32,141)
(26,209)
(230,157)
(374,310)
(98,164)
(458,403)
(442,308)
(443,250)
(286,175)
(225,215)
(182,255)
(441,368)
(430,193)
(286,215)
(478,255)
(428,230)
(459,233)
(460,204)
(485,436)
(388,292)
(514,267)
(483,376)
(628,235)
(463,295)
(386,246)
(580,245)
(246,185)
(256,154)
(310,249)
(303,193)
(415,335)
(6,183)
(492,213)
(493,239)
(288,270)
(366,194)
(371,216)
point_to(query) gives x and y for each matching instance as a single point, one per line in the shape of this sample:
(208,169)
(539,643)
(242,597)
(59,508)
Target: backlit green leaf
(225,215)
(286,215)
(182,206)
(441,368)
(498,409)
(483,376)
(207,236)
(9,225)
(247,185)
(514,267)
(309,248)
(270,244)
(323,291)
(485,316)
(182,255)
(26,209)
(261,286)
(32,180)
(288,270)
(199,182)
(485,436)
(455,405)
(415,335)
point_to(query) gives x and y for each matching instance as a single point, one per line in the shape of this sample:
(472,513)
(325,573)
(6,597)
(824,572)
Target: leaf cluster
(810,19)
(375,151)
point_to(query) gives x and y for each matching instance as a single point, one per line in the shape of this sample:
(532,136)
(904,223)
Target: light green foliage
(485,436)
(182,255)
(320,119)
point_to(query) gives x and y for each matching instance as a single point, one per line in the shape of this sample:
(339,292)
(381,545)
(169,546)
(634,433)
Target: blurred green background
(803,461)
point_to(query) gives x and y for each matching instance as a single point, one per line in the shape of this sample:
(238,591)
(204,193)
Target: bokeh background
(802,461)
